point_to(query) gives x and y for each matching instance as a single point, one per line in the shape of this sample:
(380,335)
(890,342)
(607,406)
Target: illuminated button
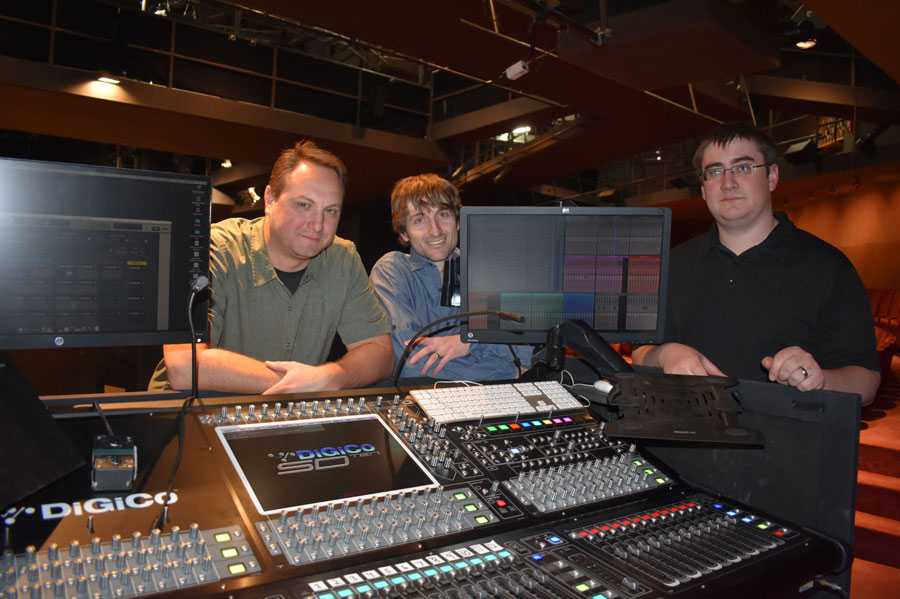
(461,565)
(763,525)
(503,427)
(514,426)
(733,513)
(491,429)
(537,557)
(481,519)
(599,596)
(637,463)
(537,423)
(398,580)
(223,537)
(583,534)
(554,540)
(363,588)
(567,419)
(414,576)
(526,425)
(648,471)
(446,568)
(581,588)
(547,421)
(229,552)
(748,519)
(459,496)
(325,596)
(557,421)
(660,481)
(380,584)
(475,561)
(430,572)
(490,557)
(345,593)
(238,568)
(470,507)
(500,503)
(778,533)
(717,506)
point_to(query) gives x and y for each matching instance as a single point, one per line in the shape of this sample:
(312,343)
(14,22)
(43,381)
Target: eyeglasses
(738,170)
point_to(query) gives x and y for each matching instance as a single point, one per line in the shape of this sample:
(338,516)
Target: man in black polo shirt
(757,298)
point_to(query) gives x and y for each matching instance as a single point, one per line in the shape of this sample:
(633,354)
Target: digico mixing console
(362,495)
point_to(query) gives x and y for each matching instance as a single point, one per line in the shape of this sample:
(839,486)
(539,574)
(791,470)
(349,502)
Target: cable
(830,586)
(99,411)
(197,286)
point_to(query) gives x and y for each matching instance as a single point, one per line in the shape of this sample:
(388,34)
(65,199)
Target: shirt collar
(417,261)
(777,238)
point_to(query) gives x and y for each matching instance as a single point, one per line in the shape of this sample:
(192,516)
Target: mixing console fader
(329,496)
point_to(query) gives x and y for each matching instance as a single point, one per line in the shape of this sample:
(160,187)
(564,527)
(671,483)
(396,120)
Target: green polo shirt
(253,313)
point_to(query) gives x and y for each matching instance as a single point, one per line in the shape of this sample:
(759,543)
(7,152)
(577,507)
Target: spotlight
(521,130)
(253,195)
(226,163)
(806,35)
(108,79)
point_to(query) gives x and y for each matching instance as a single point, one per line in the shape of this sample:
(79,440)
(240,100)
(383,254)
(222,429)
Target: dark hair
(726,133)
(304,151)
(421,191)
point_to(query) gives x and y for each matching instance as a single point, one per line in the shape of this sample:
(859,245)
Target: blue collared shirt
(409,287)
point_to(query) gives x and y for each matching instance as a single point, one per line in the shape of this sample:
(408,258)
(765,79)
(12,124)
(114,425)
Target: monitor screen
(303,463)
(605,266)
(97,256)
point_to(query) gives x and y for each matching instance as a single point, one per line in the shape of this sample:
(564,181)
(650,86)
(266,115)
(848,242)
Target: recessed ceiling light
(107,79)
(226,163)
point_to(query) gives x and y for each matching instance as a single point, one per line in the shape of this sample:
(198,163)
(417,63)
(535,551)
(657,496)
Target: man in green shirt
(281,286)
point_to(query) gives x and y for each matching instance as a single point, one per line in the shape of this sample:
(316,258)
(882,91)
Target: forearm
(364,363)
(853,379)
(218,370)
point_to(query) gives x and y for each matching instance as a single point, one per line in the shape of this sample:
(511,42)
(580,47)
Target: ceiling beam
(492,117)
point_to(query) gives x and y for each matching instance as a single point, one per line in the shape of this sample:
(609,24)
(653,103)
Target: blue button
(490,557)
(325,595)
(599,596)
(430,572)
(526,425)
(554,540)
(414,576)
(505,553)
(446,568)
(363,588)
(380,584)
(397,580)
(733,513)
(345,593)
(475,561)
(537,556)
(718,506)
(461,565)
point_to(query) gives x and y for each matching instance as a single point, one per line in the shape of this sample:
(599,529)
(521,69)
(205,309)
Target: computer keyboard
(452,404)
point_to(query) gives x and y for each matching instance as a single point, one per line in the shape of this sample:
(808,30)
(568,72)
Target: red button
(583,534)
(594,531)
(604,527)
(501,503)
(514,426)
(779,533)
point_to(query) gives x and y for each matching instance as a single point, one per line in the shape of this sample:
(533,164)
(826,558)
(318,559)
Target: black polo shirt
(791,289)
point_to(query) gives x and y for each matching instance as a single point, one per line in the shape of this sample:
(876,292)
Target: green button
(229,552)
(397,580)
(414,576)
(763,525)
(504,553)
(237,568)
(460,496)
(222,537)
(345,593)
(363,588)
(648,471)
(380,584)
(481,519)
(492,429)
(490,557)
(660,481)
(446,568)
(638,463)
(430,572)
(470,507)
(503,427)
(582,587)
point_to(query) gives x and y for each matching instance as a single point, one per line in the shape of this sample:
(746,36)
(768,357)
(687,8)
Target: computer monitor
(95,256)
(605,266)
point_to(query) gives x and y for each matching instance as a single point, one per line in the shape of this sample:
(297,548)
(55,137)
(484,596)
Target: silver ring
(439,356)
(805,372)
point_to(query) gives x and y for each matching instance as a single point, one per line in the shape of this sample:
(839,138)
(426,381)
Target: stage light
(226,163)
(108,79)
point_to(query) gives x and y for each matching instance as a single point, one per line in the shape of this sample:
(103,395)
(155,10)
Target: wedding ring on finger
(805,372)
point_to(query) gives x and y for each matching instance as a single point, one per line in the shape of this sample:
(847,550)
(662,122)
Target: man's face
(738,201)
(432,231)
(302,220)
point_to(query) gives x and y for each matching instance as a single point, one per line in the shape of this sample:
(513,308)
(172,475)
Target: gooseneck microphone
(458,316)
(198,286)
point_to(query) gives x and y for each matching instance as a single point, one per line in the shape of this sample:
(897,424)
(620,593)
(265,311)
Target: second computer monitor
(605,266)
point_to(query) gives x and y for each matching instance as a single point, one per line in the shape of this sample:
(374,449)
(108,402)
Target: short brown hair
(309,152)
(726,133)
(421,191)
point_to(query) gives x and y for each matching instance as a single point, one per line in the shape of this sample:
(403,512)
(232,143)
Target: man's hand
(677,358)
(796,367)
(437,352)
(297,377)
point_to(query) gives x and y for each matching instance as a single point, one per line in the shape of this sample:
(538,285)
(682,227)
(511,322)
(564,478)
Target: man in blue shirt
(425,215)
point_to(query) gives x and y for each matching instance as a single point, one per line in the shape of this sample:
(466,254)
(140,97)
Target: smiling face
(302,220)
(431,230)
(738,202)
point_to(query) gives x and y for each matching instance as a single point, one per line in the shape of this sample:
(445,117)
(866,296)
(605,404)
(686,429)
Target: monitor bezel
(30,341)
(534,337)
